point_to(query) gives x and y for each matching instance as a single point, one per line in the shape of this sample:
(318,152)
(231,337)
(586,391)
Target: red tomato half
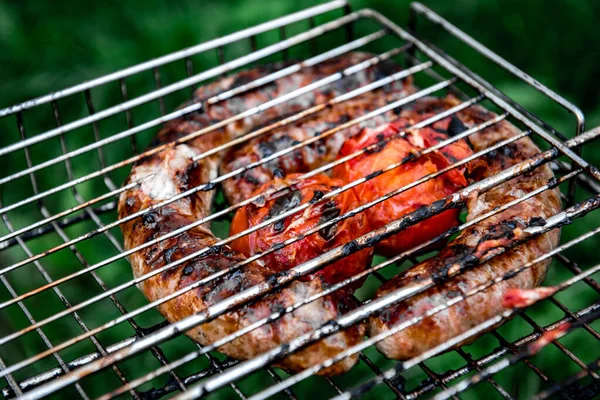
(292,226)
(394,151)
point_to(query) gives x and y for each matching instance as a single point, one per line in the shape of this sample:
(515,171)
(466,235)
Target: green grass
(46,46)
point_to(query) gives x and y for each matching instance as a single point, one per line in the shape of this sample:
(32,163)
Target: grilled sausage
(475,241)
(172,171)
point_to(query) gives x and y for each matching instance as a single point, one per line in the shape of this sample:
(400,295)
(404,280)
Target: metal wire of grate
(65,224)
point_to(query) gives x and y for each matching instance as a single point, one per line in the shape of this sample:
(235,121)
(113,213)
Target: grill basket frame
(578,177)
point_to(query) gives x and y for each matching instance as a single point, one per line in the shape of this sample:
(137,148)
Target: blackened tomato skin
(396,149)
(305,191)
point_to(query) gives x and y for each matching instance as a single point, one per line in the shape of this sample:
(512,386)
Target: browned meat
(487,234)
(172,171)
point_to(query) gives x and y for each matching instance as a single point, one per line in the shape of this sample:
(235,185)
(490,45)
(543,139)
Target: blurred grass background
(46,46)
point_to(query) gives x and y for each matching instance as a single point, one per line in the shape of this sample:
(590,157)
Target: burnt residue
(335,326)
(408,158)
(582,208)
(378,146)
(150,253)
(266,148)
(504,156)
(184,177)
(273,279)
(503,230)
(150,219)
(461,255)
(373,174)
(372,241)
(317,195)
(251,179)
(537,221)
(349,248)
(279,226)
(552,182)
(277,246)
(260,201)
(329,212)
(213,250)
(285,203)
(343,118)
(208,186)
(168,254)
(321,148)
(456,126)
(276,306)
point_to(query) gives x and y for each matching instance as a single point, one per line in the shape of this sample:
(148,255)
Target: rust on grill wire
(91,360)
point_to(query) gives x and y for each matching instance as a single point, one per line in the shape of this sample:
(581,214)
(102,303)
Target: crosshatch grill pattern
(70,214)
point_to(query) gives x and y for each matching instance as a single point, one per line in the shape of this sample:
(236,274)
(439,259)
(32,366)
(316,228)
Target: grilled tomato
(388,147)
(309,190)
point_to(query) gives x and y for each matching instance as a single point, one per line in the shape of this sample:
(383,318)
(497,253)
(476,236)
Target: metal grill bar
(446,346)
(164,333)
(78,255)
(496,354)
(213,182)
(55,372)
(528,351)
(486,52)
(593,366)
(222,124)
(213,100)
(43,336)
(225,95)
(102,142)
(65,222)
(499,353)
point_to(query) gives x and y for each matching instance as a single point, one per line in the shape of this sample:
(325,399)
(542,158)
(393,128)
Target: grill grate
(67,211)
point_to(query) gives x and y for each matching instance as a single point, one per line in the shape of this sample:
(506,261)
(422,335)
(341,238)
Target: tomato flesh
(305,249)
(396,149)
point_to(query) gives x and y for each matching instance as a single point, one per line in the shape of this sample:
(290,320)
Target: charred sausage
(476,240)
